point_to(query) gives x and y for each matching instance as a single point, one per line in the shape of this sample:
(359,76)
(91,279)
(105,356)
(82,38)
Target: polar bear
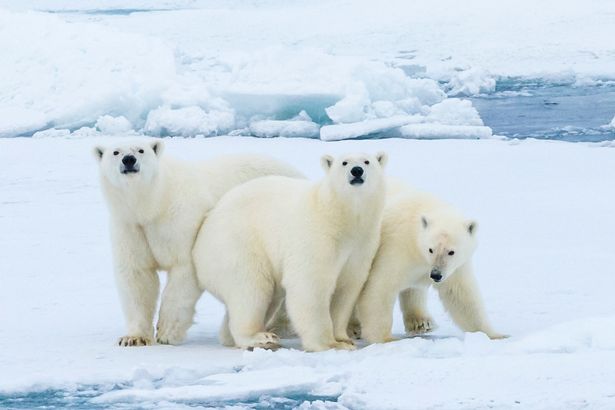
(310,244)
(157,205)
(424,242)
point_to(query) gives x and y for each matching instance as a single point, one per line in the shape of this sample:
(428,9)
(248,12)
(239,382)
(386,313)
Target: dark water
(547,110)
(82,398)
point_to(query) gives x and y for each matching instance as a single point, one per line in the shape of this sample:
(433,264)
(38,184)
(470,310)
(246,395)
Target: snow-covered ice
(74,74)
(198,67)
(545,266)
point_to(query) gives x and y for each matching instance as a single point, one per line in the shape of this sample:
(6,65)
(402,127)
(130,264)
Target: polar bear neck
(350,213)
(140,203)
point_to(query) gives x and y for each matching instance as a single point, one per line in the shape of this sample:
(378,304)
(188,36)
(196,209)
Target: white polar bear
(157,205)
(424,242)
(310,242)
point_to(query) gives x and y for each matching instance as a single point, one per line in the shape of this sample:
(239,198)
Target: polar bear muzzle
(357,176)
(436,275)
(129,165)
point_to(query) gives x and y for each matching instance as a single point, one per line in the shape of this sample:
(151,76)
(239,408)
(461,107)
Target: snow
(197,67)
(442,131)
(366,127)
(544,264)
(187,121)
(472,81)
(65,75)
(299,126)
(450,118)
(109,125)
(75,74)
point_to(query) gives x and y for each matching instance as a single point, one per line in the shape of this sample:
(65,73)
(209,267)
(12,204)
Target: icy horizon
(273,68)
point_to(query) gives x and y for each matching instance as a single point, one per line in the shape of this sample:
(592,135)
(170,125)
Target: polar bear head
(447,241)
(126,164)
(355,172)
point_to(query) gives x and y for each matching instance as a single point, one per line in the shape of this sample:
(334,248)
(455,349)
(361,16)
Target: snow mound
(450,118)
(188,121)
(300,126)
(581,335)
(52,133)
(108,124)
(470,82)
(91,78)
(66,75)
(439,131)
(363,128)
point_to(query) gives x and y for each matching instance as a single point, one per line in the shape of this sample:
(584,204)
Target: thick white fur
(413,223)
(155,216)
(310,242)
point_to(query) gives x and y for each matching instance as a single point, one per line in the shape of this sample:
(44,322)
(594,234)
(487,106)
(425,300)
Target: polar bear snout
(436,275)
(357,176)
(129,165)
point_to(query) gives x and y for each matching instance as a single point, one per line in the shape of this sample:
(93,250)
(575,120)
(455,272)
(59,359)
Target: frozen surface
(545,266)
(202,67)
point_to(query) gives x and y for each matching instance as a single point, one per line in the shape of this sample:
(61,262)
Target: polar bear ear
(472,227)
(98,152)
(382,158)
(424,222)
(326,161)
(157,146)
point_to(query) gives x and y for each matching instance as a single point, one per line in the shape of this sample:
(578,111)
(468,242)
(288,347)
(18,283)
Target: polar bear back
(254,209)
(226,172)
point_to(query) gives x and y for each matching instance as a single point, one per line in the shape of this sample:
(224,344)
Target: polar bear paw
(170,335)
(135,341)
(321,347)
(497,336)
(263,340)
(343,345)
(419,324)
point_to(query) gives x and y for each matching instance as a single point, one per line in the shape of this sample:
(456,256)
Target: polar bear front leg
(461,298)
(308,302)
(346,294)
(178,304)
(137,283)
(413,304)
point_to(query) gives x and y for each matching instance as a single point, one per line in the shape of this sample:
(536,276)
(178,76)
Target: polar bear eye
(116,153)
(451,253)
(430,250)
(366,162)
(344,163)
(141,151)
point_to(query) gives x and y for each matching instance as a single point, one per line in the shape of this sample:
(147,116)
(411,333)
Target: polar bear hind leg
(248,306)
(177,308)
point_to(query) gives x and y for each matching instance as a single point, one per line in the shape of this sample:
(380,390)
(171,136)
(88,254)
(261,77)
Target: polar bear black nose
(436,275)
(356,171)
(129,160)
